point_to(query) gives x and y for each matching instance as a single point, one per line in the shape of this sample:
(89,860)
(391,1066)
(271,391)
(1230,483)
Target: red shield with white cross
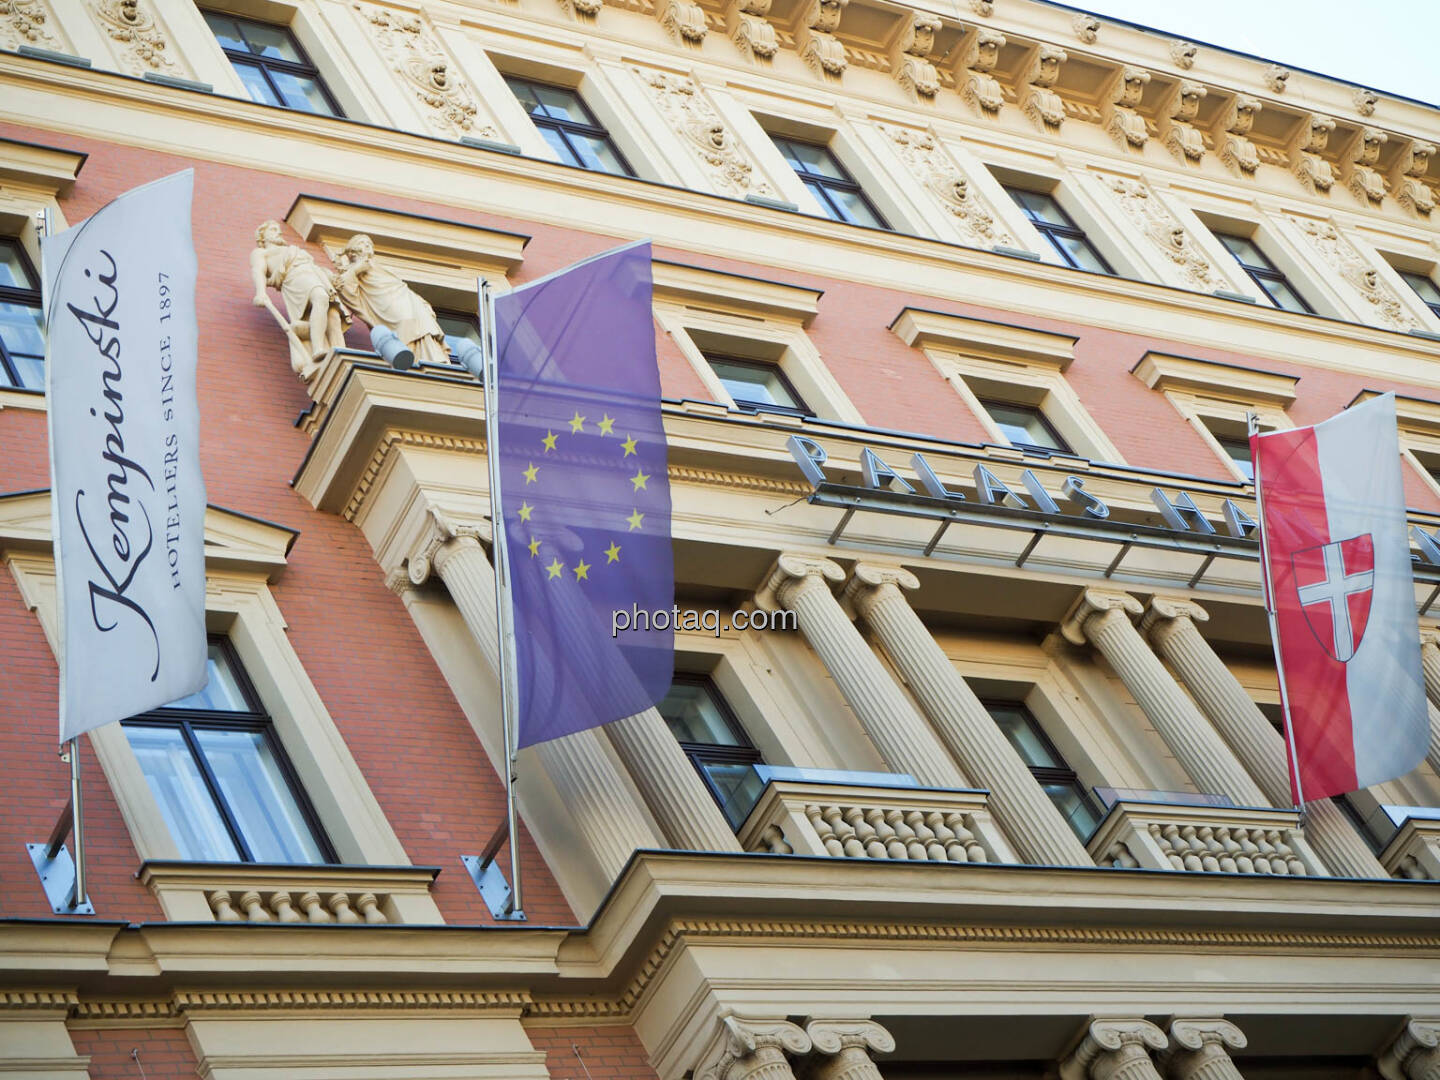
(1336,582)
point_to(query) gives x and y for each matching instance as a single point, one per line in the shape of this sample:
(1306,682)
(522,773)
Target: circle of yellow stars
(556,569)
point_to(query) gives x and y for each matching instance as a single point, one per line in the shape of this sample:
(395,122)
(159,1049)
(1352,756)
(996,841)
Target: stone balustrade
(863,822)
(1414,851)
(1204,839)
(294,907)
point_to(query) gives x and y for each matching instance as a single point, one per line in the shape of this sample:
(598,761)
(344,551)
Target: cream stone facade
(1022,805)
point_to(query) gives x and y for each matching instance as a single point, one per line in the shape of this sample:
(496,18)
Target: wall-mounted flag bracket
(62,877)
(490,879)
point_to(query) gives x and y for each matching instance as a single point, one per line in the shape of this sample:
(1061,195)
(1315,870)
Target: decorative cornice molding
(37,1000)
(1165,371)
(984,339)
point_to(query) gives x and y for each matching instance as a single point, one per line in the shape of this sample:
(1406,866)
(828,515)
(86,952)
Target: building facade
(961,310)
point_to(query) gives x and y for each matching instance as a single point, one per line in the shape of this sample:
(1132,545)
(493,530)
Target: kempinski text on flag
(127,497)
(1338,555)
(585,493)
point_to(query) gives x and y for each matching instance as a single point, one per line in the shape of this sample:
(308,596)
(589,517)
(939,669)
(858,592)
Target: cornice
(681,283)
(1164,371)
(49,168)
(984,338)
(1415,415)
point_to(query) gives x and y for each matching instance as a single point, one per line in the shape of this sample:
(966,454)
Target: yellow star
(555,569)
(576,422)
(534,547)
(639,479)
(629,445)
(635,519)
(612,553)
(525,511)
(531,473)
(607,425)
(582,570)
(549,441)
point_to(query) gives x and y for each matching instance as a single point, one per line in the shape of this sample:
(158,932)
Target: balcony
(263,893)
(1413,852)
(1200,834)
(870,816)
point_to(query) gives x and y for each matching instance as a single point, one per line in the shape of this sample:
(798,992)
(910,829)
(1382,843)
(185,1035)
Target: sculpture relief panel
(131,23)
(1343,258)
(28,22)
(1163,230)
(413,52)
(937,172)
(700,127)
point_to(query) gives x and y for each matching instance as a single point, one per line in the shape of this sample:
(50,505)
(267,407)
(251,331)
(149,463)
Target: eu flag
(584,493)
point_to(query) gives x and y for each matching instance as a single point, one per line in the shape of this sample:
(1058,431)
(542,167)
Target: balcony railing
(1205,839)
(261,893)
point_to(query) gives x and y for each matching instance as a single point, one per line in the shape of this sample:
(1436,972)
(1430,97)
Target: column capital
(866,581)
(1163,610)
(791,570)
(1197,1034)
(438,530)
(1109,1043)
(1094,602)
(1200,1050)
(832,1036)
(1430,635)
(1414,1054)
(742,1045)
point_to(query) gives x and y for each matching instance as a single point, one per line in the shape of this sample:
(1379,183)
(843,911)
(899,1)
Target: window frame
(305,68)
(252,719)
(744,752)
(846,182)
(456,313)
(1047,774)
(9,294)
(1410,277)
(1259,275)
(564,128)
(1062,445)
(1048,230)
(801,408)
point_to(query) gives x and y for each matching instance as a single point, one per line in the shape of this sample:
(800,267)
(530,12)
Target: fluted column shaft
(1260,748)
(1200,1050)
(1019,804)
(903,738)
(1104,620)
(577,764)
(670,785)
(1430,664)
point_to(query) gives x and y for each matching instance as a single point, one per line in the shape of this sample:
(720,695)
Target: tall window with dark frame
(1056,777)
(1425,288)
(223,783)
(1265,274)
(22,335)
(1060,231)
(837,192)
(568,125)
(271,64)
(715,743)
(757,386)
(1026,426)
(1237,449)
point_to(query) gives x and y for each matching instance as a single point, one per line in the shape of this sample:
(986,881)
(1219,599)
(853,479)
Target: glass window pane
(525,94)
(1038,207)
(563,150)
(562,104)
(597,154)
(1239,452)
(302,92)
(1078,252)
(13,271)
(179,788)
(1424,286)
(29,371)
(1018,726)
(855,209)
(457,329)
(1023,425)
(739,788)
(221,693)
(255,84)
(225,31)
(753,384)
(258,796)
(1283,296)
(1070,800)
(273,42)
(21,329)
(694,717)
(1244,250)
(817,160)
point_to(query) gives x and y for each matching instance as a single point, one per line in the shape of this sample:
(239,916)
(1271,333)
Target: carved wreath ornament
(131,25)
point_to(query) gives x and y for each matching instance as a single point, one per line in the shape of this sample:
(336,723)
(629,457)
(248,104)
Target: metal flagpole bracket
(489,878)
(64,888)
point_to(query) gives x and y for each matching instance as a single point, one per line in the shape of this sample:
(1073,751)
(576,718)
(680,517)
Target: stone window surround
(749,318)
(1073,192)
(1280,242)
(1207,390)
(1005,362)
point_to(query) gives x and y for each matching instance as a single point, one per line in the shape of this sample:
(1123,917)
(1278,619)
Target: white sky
(1385,45)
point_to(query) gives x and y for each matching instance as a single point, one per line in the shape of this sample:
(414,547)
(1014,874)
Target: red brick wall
(164,1053)
(608,1053)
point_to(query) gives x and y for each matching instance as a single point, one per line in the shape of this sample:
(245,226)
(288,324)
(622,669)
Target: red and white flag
(1338,559)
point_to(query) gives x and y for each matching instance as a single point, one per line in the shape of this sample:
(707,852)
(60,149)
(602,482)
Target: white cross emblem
(1335,591)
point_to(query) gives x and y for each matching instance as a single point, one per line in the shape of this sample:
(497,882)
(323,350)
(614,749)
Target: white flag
(127,498)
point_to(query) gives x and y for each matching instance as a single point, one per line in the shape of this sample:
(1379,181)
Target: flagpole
(1268,590)
(504,614)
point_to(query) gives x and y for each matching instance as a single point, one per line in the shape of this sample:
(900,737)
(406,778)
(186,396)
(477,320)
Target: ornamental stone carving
(1183,53)
(792,574)
(1122,120)
(929,163)
(1093,602)
(1276,78)
(1313,170)
(746,24)
(1087,27)
(27,22)
(1200,1050)
(1412,192)
(699,126)
(315,317)
(684,21)
(380,297)
(1165,232)
(1359,274)
(1415,1053)
(439,530)
(1365,101)
(819,47)
(582,9)
(1360,174)
(1116,1049)
(747,1049)
(848,1044)
(1238,152)
(915,73)
(1182,137)
(985,8)
(131,24)
(411,49)
(981,90)
(1038,99)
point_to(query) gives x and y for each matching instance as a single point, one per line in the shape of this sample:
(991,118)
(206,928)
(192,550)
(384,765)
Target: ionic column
(1115,1050)
(848,1045)
(1415,1053)
(1430,663)
(1027,816)
(802,584)
(577,764)
(1200,1050)
(1260,748)
(1103,618)
(752,1050)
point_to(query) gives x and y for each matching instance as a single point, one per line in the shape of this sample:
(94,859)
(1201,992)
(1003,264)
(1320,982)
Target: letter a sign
(127,498)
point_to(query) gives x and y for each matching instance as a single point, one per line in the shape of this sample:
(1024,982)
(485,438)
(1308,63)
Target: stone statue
(380,297)
(316,316)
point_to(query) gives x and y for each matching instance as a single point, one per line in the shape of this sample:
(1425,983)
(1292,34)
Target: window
(756,385)
(22,339)
(834,189)
(271,64)
(569,127)
(1425,288)
(1060,231)
(1264,273)
(220,777)
(1054,776)
(1239,453)
(1025,426)
(459,329)
(715,743)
